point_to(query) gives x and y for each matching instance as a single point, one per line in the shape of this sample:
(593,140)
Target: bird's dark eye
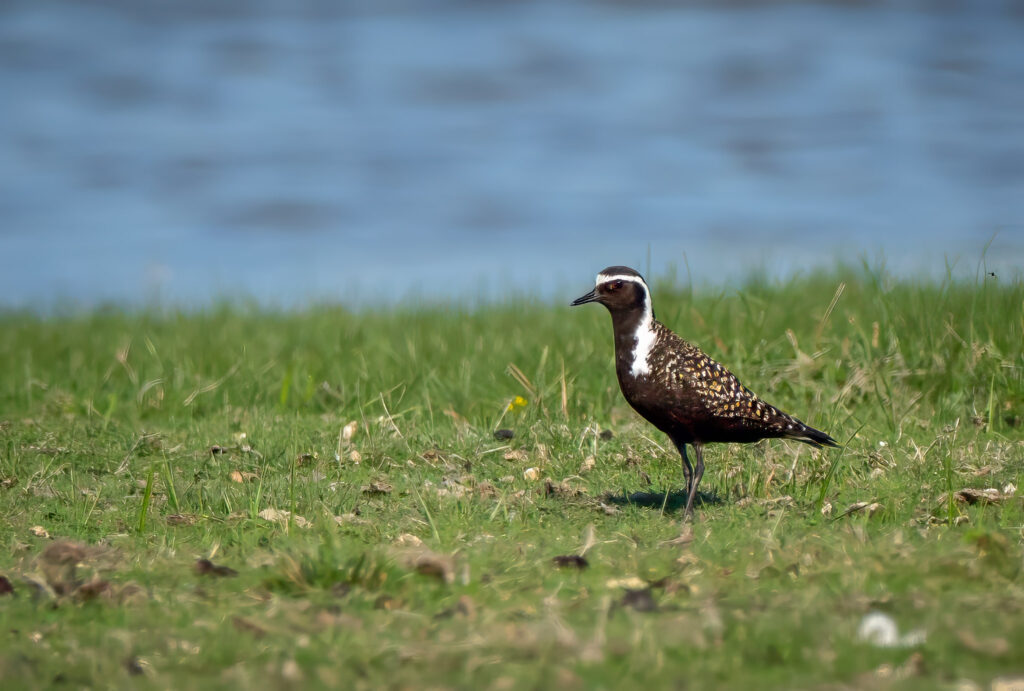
(618,284)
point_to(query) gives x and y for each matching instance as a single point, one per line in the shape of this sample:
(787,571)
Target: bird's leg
(698,473)
(687,468)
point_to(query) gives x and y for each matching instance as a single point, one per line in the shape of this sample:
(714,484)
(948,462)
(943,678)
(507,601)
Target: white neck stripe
(645,338)
(644,335)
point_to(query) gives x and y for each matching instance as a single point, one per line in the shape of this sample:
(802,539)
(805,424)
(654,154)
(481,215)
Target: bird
(676,387)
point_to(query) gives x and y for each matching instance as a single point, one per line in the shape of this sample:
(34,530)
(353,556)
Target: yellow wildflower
(517,402)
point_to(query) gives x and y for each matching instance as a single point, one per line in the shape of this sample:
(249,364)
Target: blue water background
(371,152)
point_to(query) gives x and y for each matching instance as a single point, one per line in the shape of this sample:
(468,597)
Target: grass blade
(147,496)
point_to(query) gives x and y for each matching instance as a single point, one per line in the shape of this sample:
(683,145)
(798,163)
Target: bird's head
(621,290)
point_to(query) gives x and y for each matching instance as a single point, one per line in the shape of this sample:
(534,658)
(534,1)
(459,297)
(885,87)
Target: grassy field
(363,527)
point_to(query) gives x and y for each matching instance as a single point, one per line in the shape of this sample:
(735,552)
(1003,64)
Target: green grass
(108,424)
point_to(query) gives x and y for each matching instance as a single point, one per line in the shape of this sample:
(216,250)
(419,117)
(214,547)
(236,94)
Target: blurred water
(373,151)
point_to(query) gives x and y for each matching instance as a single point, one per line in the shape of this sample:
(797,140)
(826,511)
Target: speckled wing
(711,398)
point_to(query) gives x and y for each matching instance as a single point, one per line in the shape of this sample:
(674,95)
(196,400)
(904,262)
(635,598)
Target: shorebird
(676,387)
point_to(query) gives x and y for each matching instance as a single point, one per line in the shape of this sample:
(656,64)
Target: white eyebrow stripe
(602,278)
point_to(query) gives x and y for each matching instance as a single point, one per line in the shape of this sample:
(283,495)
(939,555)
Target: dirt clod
(573,561)
(463,608)
(640,600)
(561,489)
(971,495)
(180,519)
(134,666)
(992,647)
(868,508)
(205,567)
(377,489)
(248,626)
(59,564)
(92,590)
(386,602)
(428,563)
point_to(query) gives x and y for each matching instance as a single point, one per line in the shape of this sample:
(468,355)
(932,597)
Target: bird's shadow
(671,501)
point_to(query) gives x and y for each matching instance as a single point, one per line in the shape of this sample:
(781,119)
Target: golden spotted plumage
(691,373)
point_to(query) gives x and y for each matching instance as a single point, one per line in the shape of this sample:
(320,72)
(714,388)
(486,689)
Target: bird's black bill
(589,297)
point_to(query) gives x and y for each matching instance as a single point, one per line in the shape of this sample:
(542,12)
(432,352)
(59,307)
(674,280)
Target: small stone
(629,582)
(349,430)
(291,672)
(503,434)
